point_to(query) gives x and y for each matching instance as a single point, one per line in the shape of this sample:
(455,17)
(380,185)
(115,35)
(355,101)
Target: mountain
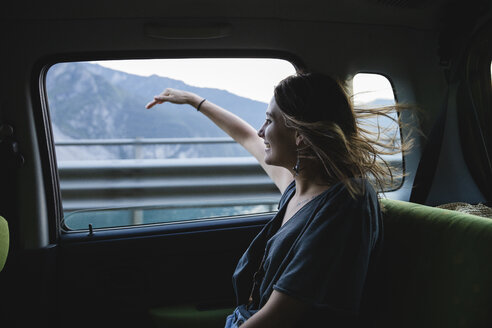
(88,101)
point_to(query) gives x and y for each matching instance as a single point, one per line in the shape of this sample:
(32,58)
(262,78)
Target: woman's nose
(261,132)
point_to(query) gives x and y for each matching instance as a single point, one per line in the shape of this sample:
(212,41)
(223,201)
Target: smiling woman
(312,148)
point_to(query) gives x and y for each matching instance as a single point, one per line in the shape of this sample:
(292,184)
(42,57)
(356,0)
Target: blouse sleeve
(331,259)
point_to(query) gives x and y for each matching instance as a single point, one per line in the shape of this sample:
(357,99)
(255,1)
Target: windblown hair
(337,134)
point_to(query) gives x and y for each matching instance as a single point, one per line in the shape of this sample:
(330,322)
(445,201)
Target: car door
(156,207)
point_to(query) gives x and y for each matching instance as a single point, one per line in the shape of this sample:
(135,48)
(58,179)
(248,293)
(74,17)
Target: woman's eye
(268,121)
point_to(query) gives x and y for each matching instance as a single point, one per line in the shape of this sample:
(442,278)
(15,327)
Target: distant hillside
(91,101)
(88,101)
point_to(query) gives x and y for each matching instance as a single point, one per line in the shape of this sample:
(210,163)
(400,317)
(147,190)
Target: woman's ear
(299,138)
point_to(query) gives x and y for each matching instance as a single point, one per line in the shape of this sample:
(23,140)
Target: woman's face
(280,141)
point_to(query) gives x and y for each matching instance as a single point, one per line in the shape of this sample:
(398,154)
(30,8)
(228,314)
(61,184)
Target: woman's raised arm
(241,131)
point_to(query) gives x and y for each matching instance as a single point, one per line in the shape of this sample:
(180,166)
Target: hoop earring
(296,167)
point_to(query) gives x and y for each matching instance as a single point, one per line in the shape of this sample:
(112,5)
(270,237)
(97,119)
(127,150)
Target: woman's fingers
(163,97)
(151,104)
(169,95)
(157,100)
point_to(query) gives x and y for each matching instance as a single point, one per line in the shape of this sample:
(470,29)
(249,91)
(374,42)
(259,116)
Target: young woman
(314,261)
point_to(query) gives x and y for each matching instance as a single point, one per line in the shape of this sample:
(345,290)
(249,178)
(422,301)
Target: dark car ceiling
(418,14)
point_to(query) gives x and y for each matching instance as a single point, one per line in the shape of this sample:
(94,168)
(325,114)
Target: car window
(121,165)
(375,91)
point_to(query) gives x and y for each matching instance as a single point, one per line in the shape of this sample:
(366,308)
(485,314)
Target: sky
(254,78)
(251,78)
(367,87)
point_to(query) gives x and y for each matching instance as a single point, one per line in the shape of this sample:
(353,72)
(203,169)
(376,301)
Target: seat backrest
(4,241)
(437,268)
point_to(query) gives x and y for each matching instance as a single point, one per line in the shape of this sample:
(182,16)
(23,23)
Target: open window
(122,165)
(375,91)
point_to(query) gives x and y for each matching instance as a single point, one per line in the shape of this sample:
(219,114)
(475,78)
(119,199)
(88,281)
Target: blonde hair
(338,135)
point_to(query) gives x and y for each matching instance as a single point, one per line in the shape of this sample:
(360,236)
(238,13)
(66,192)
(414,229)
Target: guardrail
(142,141)
(137,187)
(165,183)
(139,143)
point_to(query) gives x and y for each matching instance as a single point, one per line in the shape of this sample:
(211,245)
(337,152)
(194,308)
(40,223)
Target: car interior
(106,243)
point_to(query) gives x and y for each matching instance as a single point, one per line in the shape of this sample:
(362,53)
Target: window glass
(120,164)
(375,91)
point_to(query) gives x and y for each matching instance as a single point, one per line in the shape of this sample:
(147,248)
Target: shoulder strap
(430,158)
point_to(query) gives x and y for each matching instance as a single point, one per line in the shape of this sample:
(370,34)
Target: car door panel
(120,278)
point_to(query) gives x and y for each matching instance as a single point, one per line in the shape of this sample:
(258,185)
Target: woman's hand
(176,97)
(281,310)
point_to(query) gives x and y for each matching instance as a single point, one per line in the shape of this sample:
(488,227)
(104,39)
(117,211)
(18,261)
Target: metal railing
(163,183)
(142,141)
(172,182)
(139,143)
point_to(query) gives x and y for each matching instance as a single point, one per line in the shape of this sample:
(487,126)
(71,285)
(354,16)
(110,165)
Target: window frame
(46,144)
